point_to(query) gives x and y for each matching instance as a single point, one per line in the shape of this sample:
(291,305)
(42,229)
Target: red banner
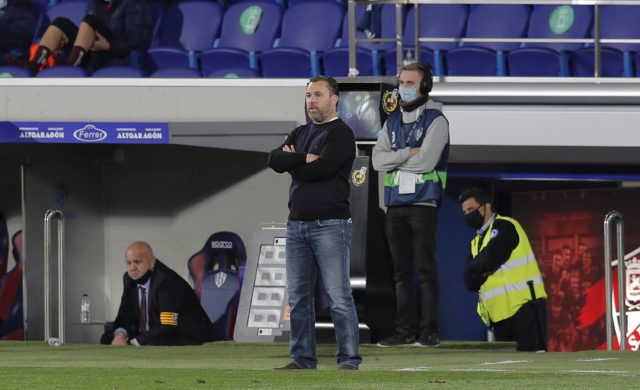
(566,232)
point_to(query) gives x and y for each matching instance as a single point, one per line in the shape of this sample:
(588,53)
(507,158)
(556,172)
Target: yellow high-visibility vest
(506,290)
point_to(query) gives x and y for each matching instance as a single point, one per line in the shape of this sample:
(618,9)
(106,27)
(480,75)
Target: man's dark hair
(332,84)
(480,195)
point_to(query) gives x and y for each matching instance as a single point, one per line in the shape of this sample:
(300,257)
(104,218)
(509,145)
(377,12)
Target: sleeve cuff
(121,330)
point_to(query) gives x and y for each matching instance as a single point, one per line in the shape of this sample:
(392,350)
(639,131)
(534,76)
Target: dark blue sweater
(320,189)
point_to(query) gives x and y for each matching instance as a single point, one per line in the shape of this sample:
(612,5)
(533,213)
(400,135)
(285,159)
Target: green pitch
(35,365)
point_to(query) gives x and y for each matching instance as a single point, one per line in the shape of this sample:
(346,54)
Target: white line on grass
(597,372)
(481,370)
(411,369)
(597,359)
(507,362)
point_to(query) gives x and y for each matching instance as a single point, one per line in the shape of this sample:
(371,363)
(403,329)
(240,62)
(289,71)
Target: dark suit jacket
(175,314)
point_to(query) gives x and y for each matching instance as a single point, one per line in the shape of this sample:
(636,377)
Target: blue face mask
(3,3)
(408,94)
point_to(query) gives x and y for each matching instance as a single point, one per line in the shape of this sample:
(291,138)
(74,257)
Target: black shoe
(345,366)
(397,340)
(428,341)
(290,366)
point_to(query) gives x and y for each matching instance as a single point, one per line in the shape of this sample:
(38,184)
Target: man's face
(321,104)
(470,205)
(410,79)
(138,262)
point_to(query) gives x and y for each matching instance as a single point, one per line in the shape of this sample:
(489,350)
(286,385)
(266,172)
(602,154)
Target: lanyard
(408,141)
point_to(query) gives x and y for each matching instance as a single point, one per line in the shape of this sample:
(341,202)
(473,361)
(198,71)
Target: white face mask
(408,94)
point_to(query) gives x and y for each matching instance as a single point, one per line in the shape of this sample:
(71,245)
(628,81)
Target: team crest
(359,176)
(419,133)
(632,302)
(390,101)
(220,278)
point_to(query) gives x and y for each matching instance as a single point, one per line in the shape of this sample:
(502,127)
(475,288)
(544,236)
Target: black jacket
(168,294)
(320,189)
(17,25)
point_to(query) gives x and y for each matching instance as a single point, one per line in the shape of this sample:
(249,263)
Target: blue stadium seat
(617,22)
(551,59)
(304,36)
(118,72)
(217,271)
(234,73)
(291,3)
(176,73)
(336,60)
(436,21)
(186,29)
(488,58)
(248,28)
(612,62)
(63,71)
(14,71)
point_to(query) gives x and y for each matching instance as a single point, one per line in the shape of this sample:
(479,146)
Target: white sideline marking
(598,372)
(481,370)
(507,362)
(412,369)
(597,359)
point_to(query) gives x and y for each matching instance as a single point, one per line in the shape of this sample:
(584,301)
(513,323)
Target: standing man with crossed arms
(413,149)
(319,157)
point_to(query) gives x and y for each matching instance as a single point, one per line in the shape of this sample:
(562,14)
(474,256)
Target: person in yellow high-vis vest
(504,271)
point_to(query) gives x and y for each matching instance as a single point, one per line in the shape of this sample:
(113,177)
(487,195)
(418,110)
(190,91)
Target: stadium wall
(175,196)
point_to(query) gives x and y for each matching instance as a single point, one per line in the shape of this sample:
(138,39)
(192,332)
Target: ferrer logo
(221,244)
(89,133)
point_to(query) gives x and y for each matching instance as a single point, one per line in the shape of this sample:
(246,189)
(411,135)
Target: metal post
(48,216)
(399,33)
(597,66)
(617,217)
(416,30)
(351,14)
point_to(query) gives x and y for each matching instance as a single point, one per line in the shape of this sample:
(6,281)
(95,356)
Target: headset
(426,84)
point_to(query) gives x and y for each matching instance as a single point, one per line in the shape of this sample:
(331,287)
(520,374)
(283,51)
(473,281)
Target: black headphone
(426,84)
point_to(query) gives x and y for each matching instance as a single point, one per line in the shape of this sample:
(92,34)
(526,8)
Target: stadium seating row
(259,38)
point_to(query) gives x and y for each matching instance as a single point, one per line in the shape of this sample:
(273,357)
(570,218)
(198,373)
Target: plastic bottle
(85,309)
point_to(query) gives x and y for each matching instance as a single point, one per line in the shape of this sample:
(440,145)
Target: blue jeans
(325,246)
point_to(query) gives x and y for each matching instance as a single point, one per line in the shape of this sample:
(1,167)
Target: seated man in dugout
(158,307)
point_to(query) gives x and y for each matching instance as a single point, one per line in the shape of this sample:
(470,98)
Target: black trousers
(411,233)
(528,327)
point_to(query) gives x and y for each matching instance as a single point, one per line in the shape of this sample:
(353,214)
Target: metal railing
(597,39)
(48,217)
(608,264)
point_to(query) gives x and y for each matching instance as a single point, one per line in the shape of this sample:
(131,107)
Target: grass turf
(35,365)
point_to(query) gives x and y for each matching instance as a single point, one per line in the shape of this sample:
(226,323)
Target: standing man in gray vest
(413,149)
